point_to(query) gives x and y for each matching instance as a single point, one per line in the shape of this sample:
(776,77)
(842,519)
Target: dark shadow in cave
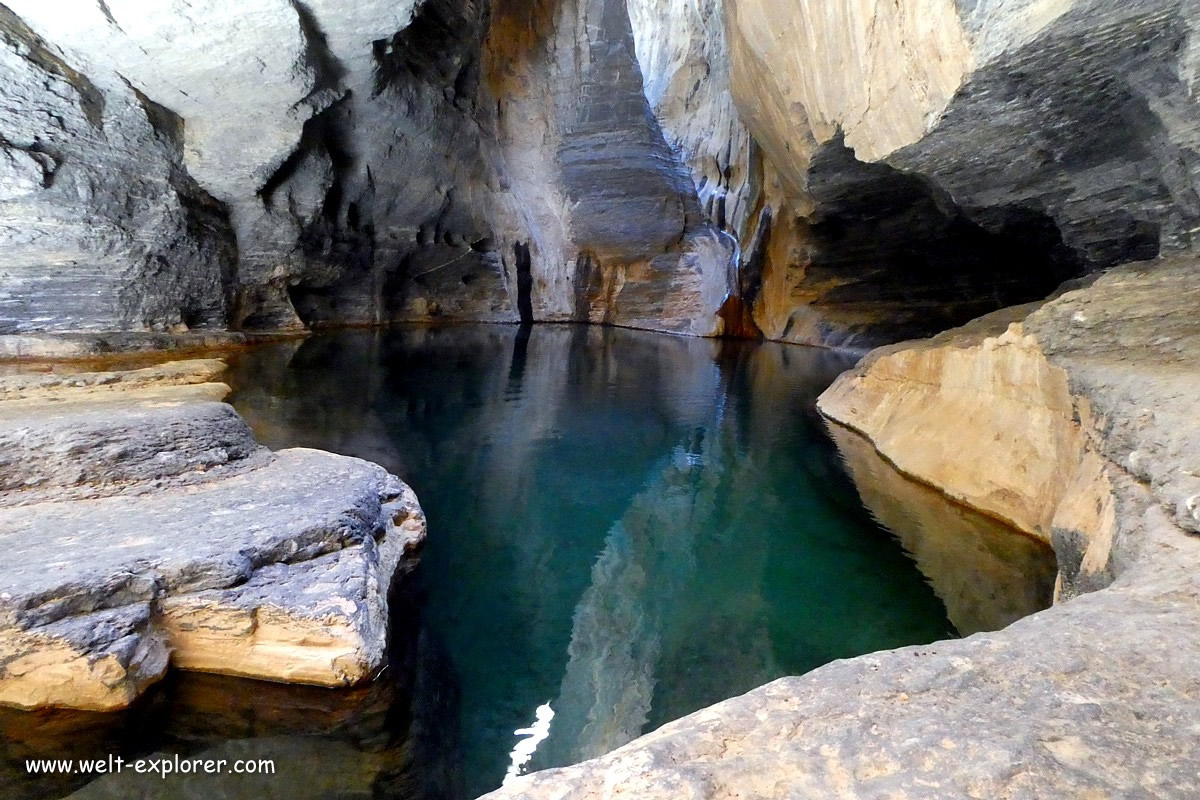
(904,260)
(524,281)
(520,356)
(433,49)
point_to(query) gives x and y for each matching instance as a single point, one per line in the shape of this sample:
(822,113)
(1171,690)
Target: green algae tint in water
(624,526)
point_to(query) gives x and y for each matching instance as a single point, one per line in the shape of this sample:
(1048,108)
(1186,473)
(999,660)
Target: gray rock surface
(836,173)
(113,435)
(145,525)
(1094,697)
(302,158)
(45,347)
(1090,118)
(101,225)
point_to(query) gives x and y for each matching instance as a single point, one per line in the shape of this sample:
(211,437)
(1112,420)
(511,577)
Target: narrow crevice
(524,281)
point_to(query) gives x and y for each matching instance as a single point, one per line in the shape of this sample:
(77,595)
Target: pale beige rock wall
(881,72)
(982,416)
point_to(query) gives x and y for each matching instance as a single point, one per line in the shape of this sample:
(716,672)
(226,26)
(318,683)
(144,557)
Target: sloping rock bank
(142,525)
(1074,422)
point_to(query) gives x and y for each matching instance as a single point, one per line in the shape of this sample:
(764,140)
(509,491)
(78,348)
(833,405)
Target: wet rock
(144,525)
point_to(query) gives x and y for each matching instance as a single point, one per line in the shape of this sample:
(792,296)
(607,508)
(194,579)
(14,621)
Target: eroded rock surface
(101,225)
(299,164)
(1094,697)
(144,526)
(834,172)
(1063,133)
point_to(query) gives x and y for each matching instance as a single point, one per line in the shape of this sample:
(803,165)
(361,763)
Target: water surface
(624,527)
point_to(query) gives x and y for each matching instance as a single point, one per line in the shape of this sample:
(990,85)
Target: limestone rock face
(828,173)
(144,527)
(349,166)
(891,172)
(1059,136)
(1100,375)
(1092,697)
(894,171)
(603,222)
(684,59)
(290,115)
(101,225)
(832,172)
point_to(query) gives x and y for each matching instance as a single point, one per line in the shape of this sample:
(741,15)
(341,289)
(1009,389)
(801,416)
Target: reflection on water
(530,739)
(986,572)
(624,527)
(368,742)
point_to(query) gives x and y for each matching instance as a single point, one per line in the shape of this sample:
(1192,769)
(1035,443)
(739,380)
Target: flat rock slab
(303,504)
(144,526)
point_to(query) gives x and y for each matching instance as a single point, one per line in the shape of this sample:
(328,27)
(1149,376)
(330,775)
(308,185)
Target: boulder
(145,527)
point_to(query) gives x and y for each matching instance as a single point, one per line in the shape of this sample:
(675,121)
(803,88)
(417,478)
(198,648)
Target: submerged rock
(1071,422)
(144,526)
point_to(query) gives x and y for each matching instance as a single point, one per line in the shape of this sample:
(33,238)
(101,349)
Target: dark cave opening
(898,258)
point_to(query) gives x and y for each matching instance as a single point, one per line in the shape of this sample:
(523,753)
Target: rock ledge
(143,526)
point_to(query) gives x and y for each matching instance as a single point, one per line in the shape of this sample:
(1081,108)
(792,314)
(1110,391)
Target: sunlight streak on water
(531,737)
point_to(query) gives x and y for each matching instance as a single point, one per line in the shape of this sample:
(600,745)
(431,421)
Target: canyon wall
(944,159)
(836,173)
(286,164)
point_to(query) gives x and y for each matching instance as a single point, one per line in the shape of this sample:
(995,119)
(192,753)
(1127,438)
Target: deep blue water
(624,527)
(627,526)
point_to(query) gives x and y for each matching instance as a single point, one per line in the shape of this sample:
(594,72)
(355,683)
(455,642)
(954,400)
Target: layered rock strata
(391,162)
(1070,422)
(943,159)
(833,173)
(145,527)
